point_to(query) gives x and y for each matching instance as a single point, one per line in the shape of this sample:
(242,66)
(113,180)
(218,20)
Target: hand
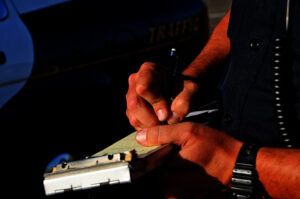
(203,166)
(146,105)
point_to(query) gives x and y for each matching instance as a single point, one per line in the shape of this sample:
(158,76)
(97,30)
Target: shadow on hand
(181,178)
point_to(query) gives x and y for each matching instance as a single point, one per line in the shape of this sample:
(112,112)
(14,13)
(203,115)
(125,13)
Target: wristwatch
(244,182)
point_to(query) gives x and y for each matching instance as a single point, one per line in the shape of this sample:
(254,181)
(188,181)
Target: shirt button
(255,45)
(227,119)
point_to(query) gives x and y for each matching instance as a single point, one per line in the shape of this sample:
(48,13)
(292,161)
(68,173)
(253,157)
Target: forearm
(279,171)
(214,52)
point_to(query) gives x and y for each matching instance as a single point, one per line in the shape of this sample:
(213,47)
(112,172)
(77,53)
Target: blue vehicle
(64,67)
(41,39)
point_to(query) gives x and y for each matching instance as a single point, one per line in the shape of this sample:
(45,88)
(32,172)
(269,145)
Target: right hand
(146,105)
(202,168)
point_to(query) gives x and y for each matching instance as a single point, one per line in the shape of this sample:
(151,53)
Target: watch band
(244,180)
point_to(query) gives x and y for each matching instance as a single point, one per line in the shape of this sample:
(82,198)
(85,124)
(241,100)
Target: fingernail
(161,114)
(141,136)
(175,118)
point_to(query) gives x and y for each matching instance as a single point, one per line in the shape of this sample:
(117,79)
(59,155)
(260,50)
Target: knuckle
(153,123)
(188,133)
(127,96)
(132,103)
(159,135)
(131,78)
(141,89)
(181,106)
(157,102)
(190,128)
(134,121)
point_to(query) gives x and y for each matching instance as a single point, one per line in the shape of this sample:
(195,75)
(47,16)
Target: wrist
(227,153)
(188,78)
(233,152)
(194,70)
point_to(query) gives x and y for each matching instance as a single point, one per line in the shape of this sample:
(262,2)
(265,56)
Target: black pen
(173,64)
(172,71)
(172,75)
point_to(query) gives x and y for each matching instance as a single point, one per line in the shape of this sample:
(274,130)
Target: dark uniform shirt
(248,89)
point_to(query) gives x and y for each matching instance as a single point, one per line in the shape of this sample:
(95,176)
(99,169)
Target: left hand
(146,103)
(203,166)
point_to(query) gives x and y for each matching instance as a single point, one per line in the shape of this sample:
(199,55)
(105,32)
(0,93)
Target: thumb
(182,103)
(164,134)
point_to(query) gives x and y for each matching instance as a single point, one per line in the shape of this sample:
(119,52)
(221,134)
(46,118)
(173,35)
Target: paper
(126,144)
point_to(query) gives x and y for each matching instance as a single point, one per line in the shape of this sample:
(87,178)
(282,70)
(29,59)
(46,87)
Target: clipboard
(119,163)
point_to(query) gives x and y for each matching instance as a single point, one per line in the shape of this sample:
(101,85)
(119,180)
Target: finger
(181,105)
(139,125)
(139,113)
(177,134)
(148,85)
(134,122)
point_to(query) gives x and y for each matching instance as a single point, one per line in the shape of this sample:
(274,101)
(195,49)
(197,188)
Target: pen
(173,64)
(172,71)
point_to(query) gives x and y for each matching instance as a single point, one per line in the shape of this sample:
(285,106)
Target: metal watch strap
(244,180)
